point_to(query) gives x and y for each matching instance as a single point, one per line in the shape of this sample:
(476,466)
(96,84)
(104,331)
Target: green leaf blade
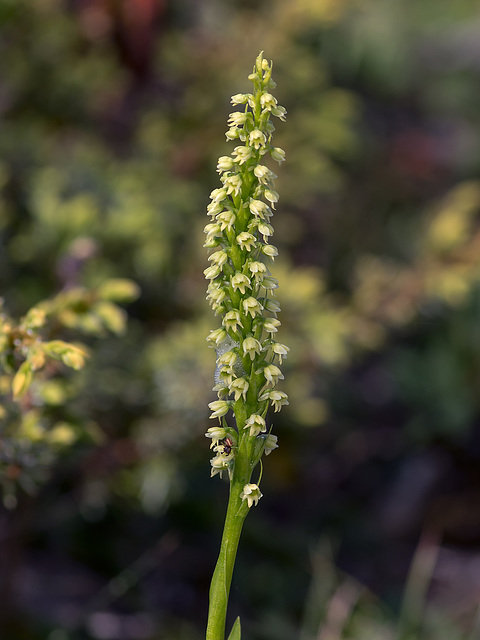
(236,632)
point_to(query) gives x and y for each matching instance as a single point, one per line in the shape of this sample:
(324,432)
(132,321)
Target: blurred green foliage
(32,425)
(112,116)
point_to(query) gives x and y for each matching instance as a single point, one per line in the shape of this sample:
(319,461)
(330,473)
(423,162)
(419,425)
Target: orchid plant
(242,292)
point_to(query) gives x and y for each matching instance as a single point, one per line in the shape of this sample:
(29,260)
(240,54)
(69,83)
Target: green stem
(222,577)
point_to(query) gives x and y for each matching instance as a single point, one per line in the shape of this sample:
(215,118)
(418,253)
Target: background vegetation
(112,115)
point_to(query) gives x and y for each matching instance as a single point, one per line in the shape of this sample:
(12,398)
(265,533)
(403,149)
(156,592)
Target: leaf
(37,357)
(22,380)
(55,348)
(35,318)
(118,290)
(113,317)
(74,357)
(235,633)
(70,355)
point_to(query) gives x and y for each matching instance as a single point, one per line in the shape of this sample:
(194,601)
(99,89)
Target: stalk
(222,576)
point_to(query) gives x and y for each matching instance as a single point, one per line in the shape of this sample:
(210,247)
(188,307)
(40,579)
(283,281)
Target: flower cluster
(241,289)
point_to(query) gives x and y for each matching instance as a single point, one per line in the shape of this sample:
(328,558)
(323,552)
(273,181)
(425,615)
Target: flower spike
(241,288)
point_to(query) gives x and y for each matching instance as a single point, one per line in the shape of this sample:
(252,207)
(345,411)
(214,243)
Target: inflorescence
(241,289)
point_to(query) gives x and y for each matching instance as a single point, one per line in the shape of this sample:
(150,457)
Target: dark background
(112,116)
